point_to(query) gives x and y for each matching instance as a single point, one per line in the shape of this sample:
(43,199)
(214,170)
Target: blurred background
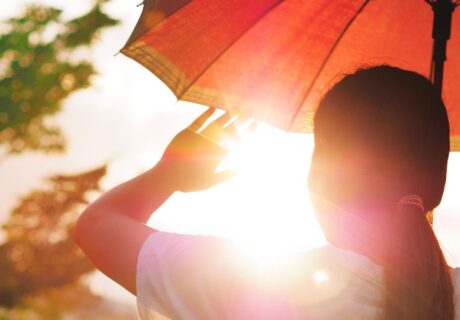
(77,118)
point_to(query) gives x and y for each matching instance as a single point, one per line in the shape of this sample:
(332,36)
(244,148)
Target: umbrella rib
(329,54)
(226,48)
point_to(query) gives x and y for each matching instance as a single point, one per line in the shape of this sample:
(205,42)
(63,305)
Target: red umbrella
(274,59)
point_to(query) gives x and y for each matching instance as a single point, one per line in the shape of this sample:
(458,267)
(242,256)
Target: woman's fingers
(228,123)
(248,127)
(232,129)
(225,128)
(217,130)
(222,176)
(198,123)
(223,119)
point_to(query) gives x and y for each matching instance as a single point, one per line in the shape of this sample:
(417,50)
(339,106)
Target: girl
(378,170)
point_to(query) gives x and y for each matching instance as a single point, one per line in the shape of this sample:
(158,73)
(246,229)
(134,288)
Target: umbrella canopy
(275,59)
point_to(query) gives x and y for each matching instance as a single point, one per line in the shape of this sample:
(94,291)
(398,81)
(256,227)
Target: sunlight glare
(273,167)
(320,277)
(265,208)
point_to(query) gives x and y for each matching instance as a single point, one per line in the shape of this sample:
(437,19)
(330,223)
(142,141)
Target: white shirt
(202,277)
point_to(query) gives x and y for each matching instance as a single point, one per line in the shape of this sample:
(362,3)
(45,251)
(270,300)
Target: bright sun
(265,207)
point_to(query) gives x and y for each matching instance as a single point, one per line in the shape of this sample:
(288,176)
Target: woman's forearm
(137,198)
(111,231)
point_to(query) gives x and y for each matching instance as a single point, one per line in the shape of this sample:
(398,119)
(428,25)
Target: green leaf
(84,30)
(36,76)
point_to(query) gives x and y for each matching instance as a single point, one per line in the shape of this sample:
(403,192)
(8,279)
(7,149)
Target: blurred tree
(69,302)
(39,252)
(38,70)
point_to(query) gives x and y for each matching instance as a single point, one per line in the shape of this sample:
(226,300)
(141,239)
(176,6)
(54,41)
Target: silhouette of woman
(378,170)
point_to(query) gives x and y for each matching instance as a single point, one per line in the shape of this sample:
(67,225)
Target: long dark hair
(382,134)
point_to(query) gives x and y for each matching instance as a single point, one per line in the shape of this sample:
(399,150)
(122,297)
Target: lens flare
(265,208)
(320,278)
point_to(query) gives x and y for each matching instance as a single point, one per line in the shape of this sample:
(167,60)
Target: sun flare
(265,208)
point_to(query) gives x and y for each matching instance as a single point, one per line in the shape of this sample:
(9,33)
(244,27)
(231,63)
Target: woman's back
(197,277)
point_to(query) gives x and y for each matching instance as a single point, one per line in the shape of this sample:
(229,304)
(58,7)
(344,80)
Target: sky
(126,120)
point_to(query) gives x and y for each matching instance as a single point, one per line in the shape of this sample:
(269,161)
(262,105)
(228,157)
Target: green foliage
(81,30)
(39,252)
(38,71)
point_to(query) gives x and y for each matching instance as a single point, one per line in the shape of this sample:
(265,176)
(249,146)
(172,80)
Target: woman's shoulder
(455,276)
(455,273)
(347,260)
(173,268)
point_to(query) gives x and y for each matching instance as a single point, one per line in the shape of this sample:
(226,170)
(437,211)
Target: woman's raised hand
(191,158)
